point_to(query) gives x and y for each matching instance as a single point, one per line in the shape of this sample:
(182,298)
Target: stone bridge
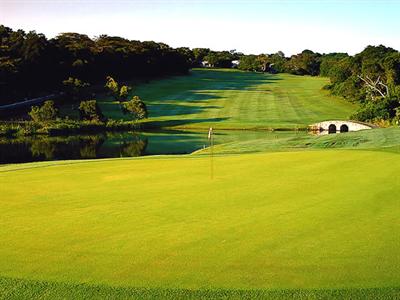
(335,126)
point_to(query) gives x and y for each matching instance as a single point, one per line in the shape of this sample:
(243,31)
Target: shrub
(89,110)
(383,109)
(120,93)
(47,112)
(75,89)
(136,107)
(9,130)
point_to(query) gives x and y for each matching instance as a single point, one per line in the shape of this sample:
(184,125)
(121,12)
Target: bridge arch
(332,128)
(344,128)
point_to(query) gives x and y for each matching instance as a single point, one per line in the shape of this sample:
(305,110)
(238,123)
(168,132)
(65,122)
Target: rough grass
(232,99)
(295,220)
(383,139)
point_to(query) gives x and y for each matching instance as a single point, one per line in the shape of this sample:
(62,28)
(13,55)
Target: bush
(136,107)
(382,109)
(89,110)
(47,112)
(9,130)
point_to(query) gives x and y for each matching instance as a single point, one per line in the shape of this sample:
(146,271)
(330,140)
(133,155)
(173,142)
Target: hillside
(231,99)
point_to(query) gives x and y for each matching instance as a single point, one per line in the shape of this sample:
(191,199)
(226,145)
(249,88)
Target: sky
(249,26)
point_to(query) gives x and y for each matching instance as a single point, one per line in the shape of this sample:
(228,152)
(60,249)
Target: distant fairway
(232,99)
(295,220)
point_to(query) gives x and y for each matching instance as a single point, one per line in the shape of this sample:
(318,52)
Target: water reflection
(127,144)
(41,148)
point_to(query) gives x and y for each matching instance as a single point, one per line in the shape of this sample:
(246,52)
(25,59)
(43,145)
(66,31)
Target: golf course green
(232,99)
(293,220)
(291,216)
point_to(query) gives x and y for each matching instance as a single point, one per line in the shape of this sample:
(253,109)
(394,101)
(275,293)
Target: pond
(108,145)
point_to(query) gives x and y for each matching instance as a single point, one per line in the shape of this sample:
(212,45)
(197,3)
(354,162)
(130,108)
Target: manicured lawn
(381,139)
(292,220)
(232,99)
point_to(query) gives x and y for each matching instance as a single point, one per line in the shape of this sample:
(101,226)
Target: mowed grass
(380,139)
(294,221)
(11,288)
(232,99)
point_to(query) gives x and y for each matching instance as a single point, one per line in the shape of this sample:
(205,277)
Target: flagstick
(211,139)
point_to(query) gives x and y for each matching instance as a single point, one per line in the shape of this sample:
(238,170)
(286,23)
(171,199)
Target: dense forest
(32,65)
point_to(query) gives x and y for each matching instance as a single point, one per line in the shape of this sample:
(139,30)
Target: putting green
(232,99)
(295,220)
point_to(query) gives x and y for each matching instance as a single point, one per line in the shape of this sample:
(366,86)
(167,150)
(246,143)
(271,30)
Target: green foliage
(330,62)
(112,87)
(120,93)
(278,62)
(305,63)
(250,63)
(75,88)
(123,92)
(381,109)
(45,113)
(221,59)
(136,107)
(371,78)
(90,110)
(24,55)
(200,53)
(9,130)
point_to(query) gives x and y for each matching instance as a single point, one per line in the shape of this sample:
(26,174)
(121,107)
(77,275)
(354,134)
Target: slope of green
(295,220)
(382,139)
(232,99)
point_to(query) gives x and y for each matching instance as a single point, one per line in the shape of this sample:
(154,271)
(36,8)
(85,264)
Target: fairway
(295,220)
(232,99)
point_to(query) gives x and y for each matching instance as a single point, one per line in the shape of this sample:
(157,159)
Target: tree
(329,61)
(119,93)
(75,88)
(305,63)
(45,113)
(222,59)
(24,55)
(199,55)
(89,110)
(136,107)
(250,63)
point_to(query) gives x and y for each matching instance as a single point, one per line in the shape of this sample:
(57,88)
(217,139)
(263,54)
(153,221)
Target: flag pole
(211,141)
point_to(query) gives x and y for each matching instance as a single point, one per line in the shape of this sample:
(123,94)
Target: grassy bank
(295,220)
(383,139)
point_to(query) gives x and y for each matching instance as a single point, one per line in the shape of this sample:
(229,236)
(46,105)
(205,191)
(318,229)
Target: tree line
(32,65)
(370,78)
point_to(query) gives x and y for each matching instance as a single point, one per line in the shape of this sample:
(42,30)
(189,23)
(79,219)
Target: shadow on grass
(171,123)
(166,109)
(192,94)
(197,94)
